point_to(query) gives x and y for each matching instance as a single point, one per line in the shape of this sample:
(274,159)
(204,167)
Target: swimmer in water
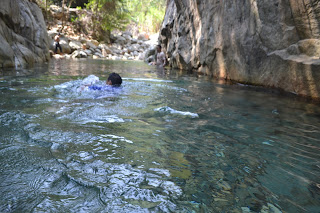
(114,80)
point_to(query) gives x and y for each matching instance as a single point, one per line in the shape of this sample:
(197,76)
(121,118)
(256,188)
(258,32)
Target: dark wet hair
(115,79)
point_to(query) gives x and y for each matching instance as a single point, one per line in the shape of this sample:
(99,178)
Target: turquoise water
(166,141)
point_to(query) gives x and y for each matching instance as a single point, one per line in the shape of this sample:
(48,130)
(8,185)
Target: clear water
(166,141)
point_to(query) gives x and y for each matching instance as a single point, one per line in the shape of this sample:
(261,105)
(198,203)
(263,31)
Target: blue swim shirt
(95,87)
(101,87)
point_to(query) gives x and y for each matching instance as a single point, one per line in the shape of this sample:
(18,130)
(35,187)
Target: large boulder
(95,42)
(134,41)
(310,47)
(143,36)
(79,54)
(105,50)
(65,46)
(121,40)
(75,45)
(91,45)
(127,37)
(88,52)
(127,33)
(271,43)
(23,35)
(56,11)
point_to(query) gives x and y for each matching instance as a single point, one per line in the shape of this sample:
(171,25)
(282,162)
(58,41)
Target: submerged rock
(269,43)
(270,208)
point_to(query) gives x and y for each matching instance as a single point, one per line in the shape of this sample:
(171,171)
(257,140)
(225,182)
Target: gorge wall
(23,34)
(274,43)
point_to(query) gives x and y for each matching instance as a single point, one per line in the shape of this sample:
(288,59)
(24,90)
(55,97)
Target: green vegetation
(109,14)
(144,15)
(147,15)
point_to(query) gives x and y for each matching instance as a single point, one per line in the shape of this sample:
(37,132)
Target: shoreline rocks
(125,47)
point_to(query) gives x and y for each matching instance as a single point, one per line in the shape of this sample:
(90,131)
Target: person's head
(59,34)
(158,48)
(114,79)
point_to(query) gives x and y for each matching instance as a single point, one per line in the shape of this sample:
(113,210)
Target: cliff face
(23,34)
(274,43)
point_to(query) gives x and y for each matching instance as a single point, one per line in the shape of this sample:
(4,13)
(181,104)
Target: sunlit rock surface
(271,43)
(23,35)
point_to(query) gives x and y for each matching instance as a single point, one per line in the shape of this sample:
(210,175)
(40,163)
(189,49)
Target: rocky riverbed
(125,47)
(76,38)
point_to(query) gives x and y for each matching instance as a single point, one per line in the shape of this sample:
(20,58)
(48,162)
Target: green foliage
(147,14)
(74,18)
(116,14)
(109,14)
(42,3)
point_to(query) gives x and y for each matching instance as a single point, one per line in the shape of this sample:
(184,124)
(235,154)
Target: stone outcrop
(23,35)
(274,43)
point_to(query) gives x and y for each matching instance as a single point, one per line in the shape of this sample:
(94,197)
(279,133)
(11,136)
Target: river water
(165,141)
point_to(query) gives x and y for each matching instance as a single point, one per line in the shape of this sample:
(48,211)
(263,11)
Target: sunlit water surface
(165,141)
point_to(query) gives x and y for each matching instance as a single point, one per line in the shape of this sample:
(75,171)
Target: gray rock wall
(274,43)
(23,34)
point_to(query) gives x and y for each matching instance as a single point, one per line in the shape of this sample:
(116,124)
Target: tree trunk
(68,10)
(71,1)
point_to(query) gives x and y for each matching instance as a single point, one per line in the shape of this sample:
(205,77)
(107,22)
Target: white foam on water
(78,89)
(120,138)
(178,89)
(91,79)
(161,171)
(147,79)
(173,111)
(103,119)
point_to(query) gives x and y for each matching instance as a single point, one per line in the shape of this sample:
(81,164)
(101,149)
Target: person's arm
(155,59)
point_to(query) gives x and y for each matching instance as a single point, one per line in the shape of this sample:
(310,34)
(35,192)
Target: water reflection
(163,142)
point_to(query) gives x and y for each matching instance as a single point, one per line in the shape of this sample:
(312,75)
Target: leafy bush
(109,14)
(116,14)
(147,14)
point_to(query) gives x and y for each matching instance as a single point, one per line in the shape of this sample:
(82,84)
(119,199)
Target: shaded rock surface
(23,34)
(271,43)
